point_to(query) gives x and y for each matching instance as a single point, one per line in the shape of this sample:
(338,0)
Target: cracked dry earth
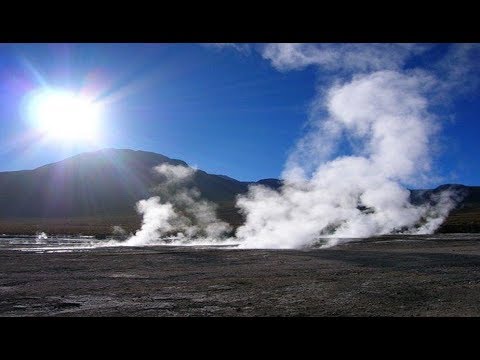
(375,277)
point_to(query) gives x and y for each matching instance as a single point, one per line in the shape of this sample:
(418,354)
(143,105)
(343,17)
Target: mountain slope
(91,192)
(106,182)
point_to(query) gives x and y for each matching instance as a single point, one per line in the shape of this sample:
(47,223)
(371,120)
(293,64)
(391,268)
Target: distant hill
(95,188)
(101,183)
(91,192)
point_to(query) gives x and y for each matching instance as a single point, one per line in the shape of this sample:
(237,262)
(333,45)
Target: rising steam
(177,212)
(385,116)
(370,134)
(41,238)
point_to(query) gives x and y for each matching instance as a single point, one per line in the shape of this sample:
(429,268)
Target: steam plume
(385,115)
(370,134)
(178,211)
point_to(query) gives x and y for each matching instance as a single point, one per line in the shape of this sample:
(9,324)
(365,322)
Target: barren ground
(375,277)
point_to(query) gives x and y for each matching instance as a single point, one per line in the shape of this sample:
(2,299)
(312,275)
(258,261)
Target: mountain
(96,188)
(91,192)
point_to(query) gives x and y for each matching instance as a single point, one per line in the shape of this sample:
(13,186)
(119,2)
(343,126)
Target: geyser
(385,115)
(369,136)
(177,212)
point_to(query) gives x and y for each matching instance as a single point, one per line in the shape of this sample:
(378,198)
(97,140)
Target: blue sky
(225,109)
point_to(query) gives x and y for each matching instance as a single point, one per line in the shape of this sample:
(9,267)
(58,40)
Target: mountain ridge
(103,186)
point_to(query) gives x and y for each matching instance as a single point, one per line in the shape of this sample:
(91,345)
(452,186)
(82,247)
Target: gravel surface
(388,276)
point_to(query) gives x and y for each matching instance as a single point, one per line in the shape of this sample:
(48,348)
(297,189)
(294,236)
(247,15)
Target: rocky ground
(378,277)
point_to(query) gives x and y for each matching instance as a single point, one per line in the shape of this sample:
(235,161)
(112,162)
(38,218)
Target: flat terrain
(390,276)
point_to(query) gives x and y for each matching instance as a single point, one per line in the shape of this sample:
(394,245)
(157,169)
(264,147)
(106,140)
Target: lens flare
(65,115)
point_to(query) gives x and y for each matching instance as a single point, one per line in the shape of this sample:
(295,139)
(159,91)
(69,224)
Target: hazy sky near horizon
(228,109)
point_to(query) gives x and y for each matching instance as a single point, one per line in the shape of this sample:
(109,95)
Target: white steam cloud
(41,238)
(178,212)
(369,134)
(174,173)
(386,115)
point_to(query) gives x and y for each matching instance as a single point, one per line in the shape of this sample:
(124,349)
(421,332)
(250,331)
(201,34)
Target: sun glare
(65,115)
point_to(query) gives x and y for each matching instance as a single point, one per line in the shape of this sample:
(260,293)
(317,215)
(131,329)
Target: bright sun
(65,115)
